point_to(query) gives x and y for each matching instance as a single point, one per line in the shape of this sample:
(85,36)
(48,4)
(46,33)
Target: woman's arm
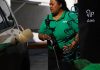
(75,41)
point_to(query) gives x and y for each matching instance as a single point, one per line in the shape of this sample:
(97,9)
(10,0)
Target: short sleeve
(74,21)
(42,27)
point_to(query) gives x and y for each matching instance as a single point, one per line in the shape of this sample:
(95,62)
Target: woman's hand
(44,37)
(65,49)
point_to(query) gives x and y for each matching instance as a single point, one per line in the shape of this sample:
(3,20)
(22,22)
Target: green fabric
(81,63)
(61,25)
(2,46)
(92,67)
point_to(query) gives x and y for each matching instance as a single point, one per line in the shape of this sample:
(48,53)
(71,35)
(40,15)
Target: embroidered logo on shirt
(65,21)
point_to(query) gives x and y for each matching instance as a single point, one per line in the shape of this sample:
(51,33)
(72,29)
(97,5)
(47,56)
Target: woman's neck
(58,15)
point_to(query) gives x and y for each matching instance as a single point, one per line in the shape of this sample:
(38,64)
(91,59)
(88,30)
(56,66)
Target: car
(13,54)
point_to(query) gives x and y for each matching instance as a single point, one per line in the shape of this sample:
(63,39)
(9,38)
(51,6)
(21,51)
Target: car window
(6,19)
(1,19)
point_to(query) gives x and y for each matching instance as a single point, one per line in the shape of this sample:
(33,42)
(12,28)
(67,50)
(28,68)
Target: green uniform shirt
(64,27)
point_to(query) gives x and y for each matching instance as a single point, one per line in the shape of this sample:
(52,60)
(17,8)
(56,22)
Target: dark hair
(63,2)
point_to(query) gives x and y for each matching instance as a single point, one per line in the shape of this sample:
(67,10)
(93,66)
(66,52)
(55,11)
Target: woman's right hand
(44,37)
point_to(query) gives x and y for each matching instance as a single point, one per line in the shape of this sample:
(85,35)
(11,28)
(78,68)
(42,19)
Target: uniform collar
(62,16)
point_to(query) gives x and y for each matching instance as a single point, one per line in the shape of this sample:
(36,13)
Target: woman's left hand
(66,49)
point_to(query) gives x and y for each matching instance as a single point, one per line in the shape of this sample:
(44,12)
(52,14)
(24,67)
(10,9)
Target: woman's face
(54,6)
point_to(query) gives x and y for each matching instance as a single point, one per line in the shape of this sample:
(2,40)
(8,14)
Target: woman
(60,28)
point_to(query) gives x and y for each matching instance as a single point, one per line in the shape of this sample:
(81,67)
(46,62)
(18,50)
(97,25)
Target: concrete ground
(38,59)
